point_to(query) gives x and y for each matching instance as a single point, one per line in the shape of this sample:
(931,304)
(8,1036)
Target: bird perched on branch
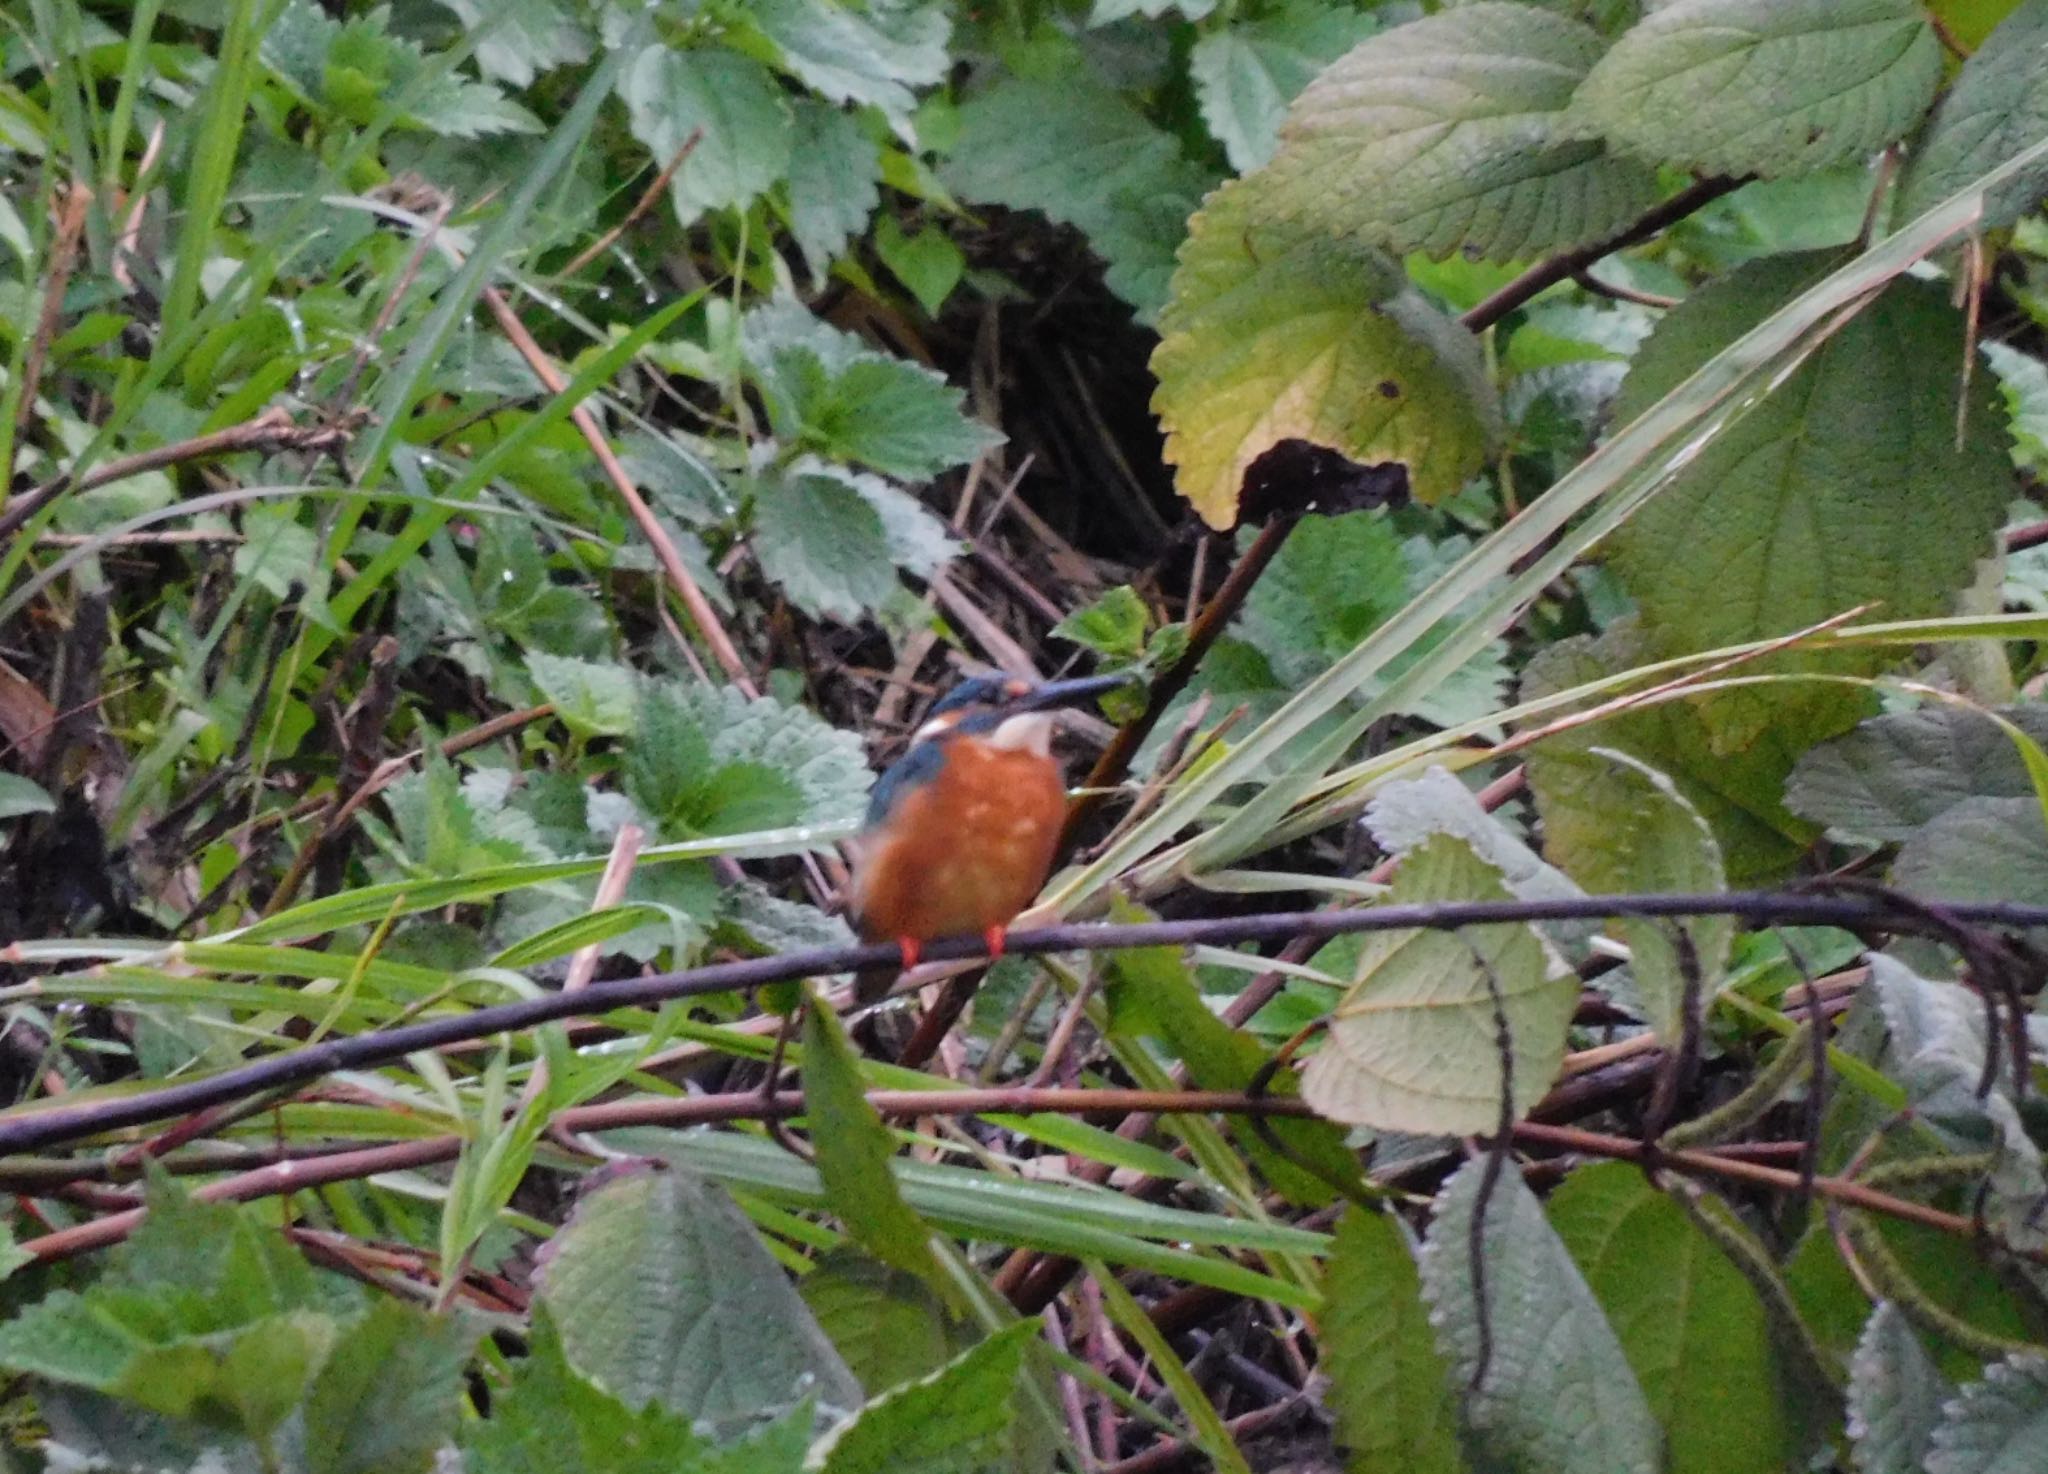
(961,831)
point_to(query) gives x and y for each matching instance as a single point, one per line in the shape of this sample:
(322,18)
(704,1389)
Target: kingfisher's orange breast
(964,852)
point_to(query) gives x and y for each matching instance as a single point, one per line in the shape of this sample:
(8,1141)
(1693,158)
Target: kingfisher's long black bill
(1067,693)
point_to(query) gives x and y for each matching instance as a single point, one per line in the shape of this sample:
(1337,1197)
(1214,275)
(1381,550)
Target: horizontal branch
(28,1128)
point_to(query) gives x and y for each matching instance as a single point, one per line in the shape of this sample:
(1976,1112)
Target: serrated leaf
(1278,331)
(871,54)
(1079,152)
(1996,109)
(1982,849)
(928,263)
(1558,1392)
(1689,1323)
(1998,1425)
(1615,824)
(1412,1046)
(388,1397)
(820,540)
(1896,1394)
(593,698)
(1844,487)
(2024,380)
(854,1151)
(1389,1388)
(1767,87)
(351,66)
(957,1419)
(834,174)
(529,37)
(919,543)
(887,1324)
(1246,73)
(714,756)
(1448,134)
(1902,770)
(1114,625)
(747,132)
(663,1293)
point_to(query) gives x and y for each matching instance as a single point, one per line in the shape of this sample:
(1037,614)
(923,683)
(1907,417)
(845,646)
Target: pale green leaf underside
(1447,134)
(1413,1046)
(1998,1425)
(1558,1392)
(1280,331)
(1246,74)
(1896,1393)
(1763,86)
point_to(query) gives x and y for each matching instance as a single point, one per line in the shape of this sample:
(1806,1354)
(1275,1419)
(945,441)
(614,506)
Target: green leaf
(854,1151)
(1412,1045)
(1763,86)
(1558,1392)
(1844,487)
(1078,151)
(1692,1328)
(1996,109)
(387,1399)
(823,543)
(2023,379)
(834,169)
(1898,772)
(713,757)
(928,263)
(1449,134)
(554,1418)
(350,67)
(527,37)
(746,137)
(1114,625)
(1615,824)
(1389,1388)
(1982,849)
(1246,73)
(958,1419)
(663,1293)
(888,1325)
(1998,1425)
(593,698)
(447,825)
(1896,1394)
(19,796)
(871,54)
(1279,331)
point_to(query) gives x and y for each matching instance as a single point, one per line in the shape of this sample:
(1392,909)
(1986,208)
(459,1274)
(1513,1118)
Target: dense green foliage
(484,483)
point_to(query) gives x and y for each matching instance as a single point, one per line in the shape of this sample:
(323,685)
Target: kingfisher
(961,832)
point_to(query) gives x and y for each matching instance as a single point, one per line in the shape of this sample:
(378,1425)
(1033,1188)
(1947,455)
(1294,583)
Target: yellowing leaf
(1278,330)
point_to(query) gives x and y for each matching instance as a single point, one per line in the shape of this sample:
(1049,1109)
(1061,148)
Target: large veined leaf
(1558,1391)
(1246,73)
(1615,824)
(957,1419)
(1389,1388)
(1689,1323)
(1845,487)
(1414,1044)
(1281,331)
(746,130)
(1997,107)
(874,53)
(1447,134)
(1896,1394)
(1764,86)
(1900,771)
(664,1293)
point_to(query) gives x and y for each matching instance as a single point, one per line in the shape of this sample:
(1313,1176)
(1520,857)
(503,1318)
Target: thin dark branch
(1567,264)
(29,1128)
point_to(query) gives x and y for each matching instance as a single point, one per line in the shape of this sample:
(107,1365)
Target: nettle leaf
(824,544)
(1738,792)
(1996,109)
(889,1325)
(1278,331)
(389,1397)
(2024,380)
(663,1293)
(747,130)
(1900,771)
(834,183)
(1846,486)
(1998,1425)
(1389,1388)
(1896,1395)
(1080,153)
(1763,86)
(529,37)
(1413,1045)
(1247,73)
(855,1148)
(1448,134)
(1559,1392)
(958,1418)
(1615,824)
(1691,1325)
(1114,626)
(673,772)
(448,825)
(872,54)
(351,67)
(687,734)
(593,698)
(928,263)
(1982,849)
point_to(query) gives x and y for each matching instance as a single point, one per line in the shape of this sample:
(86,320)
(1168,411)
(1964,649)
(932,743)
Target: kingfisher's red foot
(998,939)
(912,949)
